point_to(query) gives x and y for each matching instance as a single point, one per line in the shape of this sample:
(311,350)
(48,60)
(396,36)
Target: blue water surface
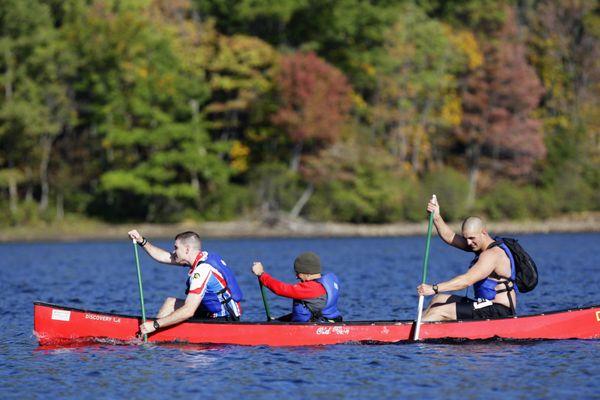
(379,276)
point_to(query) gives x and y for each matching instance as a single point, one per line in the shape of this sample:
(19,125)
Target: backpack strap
(508,282)
(495,243)
(510,287)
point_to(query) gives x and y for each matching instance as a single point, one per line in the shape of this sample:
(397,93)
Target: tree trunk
(60,206)
(8,88)
(415,153)
(295,161)
(473,176)
(473,154)
(14,195)
(195,182)
(401,144)
(29,187)
(46,145)
(424,118)
(302,201)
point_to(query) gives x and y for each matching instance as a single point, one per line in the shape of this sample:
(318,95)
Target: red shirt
(298,291)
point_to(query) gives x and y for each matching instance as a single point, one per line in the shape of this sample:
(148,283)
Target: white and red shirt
(203,278)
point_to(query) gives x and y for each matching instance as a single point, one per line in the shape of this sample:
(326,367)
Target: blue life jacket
(322,307)
(212,301)
(486,288)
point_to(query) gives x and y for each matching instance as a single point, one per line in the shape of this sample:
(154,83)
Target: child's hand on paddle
(257,268)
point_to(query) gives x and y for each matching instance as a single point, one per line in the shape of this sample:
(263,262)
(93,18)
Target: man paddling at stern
(315,297)
(492,274)
(212,290)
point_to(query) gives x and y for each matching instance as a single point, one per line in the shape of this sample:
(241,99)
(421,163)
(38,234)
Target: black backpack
(526,273)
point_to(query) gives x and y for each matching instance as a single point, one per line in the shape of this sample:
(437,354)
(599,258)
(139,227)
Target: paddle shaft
(139,276)
(263,292)
(425,263)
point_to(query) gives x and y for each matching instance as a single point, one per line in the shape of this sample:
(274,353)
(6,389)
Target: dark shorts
(467,308)
(203,315)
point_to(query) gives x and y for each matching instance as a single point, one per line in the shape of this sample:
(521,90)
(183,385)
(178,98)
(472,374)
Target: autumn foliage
(499,129)
(351,110)
(315,99)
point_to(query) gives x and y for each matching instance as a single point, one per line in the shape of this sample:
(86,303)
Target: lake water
(378,277)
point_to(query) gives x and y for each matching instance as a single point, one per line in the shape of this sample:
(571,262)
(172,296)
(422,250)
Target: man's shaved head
(473,224)
(473,230)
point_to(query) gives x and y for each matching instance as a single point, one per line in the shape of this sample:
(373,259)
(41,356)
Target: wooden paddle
(139,276)
(425,262)
(264,298)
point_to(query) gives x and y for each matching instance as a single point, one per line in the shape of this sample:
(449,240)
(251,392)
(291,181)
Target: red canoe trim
(58,324)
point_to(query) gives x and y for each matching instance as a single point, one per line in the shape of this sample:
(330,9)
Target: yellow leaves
(239,165)
(250,51)
(238,149)
(451,111)
(358,102)
(244,56)
(106,143)
(467,43)
(143,72)
(369,69)
(132,71)
(561,121)
(238,105)
(239,156)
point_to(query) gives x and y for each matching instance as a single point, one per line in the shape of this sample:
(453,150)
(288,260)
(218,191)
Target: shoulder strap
(495,243)
(498,242)
(510,286)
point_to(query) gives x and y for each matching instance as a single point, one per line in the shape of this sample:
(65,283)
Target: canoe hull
(55,324)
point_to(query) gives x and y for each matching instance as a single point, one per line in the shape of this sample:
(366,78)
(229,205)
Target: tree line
(342,110)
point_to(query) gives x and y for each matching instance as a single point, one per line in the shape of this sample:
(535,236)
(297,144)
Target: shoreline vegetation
(90,230)
(352,111)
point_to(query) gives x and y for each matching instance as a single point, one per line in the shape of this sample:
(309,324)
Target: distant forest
(328,110)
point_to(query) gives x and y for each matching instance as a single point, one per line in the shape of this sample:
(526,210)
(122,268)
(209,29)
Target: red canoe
(55,324)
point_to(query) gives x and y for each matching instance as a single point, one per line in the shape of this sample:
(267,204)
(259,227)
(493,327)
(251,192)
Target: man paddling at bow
(212,290)
(492,274)
(315,297)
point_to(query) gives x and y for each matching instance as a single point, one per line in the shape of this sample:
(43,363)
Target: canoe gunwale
(278,323)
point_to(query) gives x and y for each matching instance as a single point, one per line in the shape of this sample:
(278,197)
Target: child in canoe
(314,297)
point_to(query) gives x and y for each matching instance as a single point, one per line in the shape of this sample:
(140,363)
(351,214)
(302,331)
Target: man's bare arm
(481,270)
(192,301)
(448,235)
(160,255)
(443,229)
